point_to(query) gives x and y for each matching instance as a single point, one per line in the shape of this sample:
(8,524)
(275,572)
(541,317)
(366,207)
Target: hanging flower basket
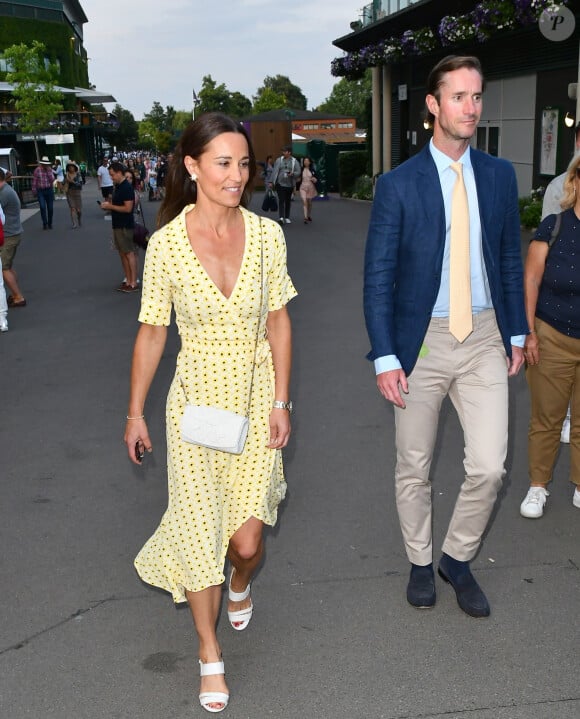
(487,19)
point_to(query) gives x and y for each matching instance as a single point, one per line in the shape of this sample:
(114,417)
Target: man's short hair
(117,167)
(2,175)
(287,148)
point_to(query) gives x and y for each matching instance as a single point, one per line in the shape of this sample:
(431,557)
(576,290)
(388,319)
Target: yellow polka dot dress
(212,493)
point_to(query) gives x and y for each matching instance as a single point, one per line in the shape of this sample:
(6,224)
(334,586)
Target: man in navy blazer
(407,304)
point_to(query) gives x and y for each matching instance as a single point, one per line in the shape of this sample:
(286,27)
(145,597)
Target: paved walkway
(332,636)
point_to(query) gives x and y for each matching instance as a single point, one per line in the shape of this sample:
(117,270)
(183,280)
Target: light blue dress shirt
(480,294)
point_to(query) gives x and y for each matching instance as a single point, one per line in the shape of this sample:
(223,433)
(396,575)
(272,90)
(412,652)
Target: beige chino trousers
(474,374)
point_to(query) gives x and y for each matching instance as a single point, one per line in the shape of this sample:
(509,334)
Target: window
(488,139)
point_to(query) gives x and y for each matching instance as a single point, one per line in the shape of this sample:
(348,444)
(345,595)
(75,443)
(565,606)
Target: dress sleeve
(544,231)
(280,287)
(156,296)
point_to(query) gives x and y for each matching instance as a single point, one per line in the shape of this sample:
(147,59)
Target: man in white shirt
(106,185)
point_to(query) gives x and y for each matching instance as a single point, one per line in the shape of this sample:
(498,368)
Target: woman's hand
(137,439)
(532,349)
(279,428)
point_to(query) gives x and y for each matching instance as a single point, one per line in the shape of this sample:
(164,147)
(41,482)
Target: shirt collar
(443,161)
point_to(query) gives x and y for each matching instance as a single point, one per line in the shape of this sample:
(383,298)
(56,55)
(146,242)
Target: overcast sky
(150,50)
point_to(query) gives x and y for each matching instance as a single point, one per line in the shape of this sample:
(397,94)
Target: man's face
(117,177)
(460,103)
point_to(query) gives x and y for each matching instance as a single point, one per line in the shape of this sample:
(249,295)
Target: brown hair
(437,74)
(569,191)
(179,188)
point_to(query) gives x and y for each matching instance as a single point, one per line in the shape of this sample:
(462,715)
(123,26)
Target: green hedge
(351,165)
(56,38)
(530,211)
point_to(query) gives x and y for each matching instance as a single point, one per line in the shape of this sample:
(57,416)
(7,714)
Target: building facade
(58,24)
(529,107)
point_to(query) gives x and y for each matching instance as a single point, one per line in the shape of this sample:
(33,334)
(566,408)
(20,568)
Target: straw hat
(45,161)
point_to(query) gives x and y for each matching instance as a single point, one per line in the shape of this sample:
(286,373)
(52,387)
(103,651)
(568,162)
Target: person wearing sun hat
(43,190)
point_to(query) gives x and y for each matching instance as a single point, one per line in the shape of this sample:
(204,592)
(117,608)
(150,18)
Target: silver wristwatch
(278,404)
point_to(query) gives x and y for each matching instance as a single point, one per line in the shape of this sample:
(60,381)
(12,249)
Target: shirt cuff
(387,363)
(518,340)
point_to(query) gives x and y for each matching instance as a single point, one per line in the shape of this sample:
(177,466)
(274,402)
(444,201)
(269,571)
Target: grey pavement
(332,634)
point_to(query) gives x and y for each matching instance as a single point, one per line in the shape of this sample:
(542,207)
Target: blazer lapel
(429,193)
(485,184)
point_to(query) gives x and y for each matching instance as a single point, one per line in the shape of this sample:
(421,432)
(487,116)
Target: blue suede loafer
(421,587)
(468,592)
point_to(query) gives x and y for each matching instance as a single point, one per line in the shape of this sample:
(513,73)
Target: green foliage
(56,38)
(36,98)
(158,117)
(181,120)
(530,211)
(351,165)
(350,97)
(269,100)
(146,132)
(127,135)
(217,98)
(363,188)
(281,85)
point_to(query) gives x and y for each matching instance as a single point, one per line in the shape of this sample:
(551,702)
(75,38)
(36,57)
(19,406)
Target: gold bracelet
(141,416)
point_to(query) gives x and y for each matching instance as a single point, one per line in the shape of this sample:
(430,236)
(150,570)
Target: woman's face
(222,170)
(306,162)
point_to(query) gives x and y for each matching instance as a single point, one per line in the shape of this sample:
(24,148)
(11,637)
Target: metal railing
(63,121)
(380,9)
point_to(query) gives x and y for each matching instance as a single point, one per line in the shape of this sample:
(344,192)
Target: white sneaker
(287,220)
(533,505)
(565,434)
(575,498)
(4,327)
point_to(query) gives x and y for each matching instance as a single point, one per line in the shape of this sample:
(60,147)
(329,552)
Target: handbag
(270,203)
(140,231)
(217,428)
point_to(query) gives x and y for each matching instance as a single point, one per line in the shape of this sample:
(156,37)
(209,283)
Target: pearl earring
(193,177)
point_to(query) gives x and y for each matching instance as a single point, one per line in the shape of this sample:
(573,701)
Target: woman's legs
(245,553)
(205,607)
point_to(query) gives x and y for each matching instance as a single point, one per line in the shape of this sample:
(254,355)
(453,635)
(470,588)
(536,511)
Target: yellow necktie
(460,320)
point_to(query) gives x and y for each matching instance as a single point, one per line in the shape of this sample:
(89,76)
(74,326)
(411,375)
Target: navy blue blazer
(404,253)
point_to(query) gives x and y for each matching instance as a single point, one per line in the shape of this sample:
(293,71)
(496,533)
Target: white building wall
(509,104)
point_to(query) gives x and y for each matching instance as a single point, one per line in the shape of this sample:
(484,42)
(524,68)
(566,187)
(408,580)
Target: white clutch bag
(214,428)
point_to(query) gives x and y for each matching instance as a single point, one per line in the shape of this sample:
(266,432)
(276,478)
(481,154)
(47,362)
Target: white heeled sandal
(241,617)
(207,698)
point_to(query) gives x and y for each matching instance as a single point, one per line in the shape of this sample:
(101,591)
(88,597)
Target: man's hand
(390,385)
(516,362)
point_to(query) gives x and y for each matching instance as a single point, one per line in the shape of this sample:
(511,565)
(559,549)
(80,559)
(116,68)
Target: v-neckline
(200,263)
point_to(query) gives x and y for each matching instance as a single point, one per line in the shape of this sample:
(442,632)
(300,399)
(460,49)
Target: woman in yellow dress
(223,270)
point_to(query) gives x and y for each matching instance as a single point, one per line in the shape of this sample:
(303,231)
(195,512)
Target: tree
(239,105)
(295,98)
(127,135)
(147,132)
(269,100)
(157,116)
(350,97)
(34,78)
(217,98)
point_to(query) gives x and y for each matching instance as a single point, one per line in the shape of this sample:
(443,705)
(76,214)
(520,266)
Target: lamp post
(290,115)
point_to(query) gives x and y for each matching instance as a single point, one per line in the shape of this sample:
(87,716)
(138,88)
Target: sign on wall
(549,146)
